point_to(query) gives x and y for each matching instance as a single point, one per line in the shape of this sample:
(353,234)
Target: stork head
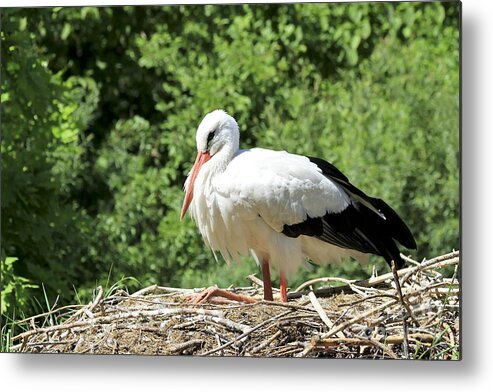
(217,130)
(218,138)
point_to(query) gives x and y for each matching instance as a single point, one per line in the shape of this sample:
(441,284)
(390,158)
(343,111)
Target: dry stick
(245,334)
(227,323)
(93,346)
(155,287)
(301,307)
(409,260)
(422,290)
(357,291)
(218,341)
(343,305)
(145,290)
(445,291)
(357,318)
(416,337)
(383,348)
(442,261)
(319,280)
(405,309)
(140,328)
(178,348)
(88,313)
(34,344)
(265,343)
(145,300)
(285,350)
(48,313)
(322,314)
(333,342)
(25,342)
(87,310)
(297,317)
(256,280)
(90,306)
(120,316)
(396,339)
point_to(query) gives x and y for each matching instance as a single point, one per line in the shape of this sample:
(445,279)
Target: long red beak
(199,161)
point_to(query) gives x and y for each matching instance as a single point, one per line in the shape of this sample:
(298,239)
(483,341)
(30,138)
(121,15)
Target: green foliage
(14,288)
(100,108)
(40,149)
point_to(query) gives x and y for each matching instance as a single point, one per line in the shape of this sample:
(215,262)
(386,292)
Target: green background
(100,107)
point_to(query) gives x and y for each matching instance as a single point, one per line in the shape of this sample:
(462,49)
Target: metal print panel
(318,219)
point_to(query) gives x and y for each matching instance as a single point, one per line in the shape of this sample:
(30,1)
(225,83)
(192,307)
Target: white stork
(281,207)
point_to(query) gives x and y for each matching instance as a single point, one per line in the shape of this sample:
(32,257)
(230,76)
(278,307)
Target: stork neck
(222,158)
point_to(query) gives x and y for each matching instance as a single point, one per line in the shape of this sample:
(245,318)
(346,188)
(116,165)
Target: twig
(245,334)
(442,261)
(288,305)
(409,260)
(320,280)
(334,342)
(265,343)
(48,313)
(155,287)
(285,350)
(227,323)
(178,348)
(405,308)
(90,306)
(318,343)
(354,320)
(322,314)
(256,280)
(366,299)
(120,316)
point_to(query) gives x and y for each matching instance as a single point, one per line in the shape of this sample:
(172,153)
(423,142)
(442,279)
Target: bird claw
(201,297)
(218,296)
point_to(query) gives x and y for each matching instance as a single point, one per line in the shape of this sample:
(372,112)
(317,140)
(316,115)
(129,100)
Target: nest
(413,316)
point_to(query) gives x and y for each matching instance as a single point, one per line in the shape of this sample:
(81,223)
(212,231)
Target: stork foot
(216,295)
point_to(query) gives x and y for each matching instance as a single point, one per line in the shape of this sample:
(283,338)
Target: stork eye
(209,138)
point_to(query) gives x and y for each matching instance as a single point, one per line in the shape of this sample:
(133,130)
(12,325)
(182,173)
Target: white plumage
(242,200)
(247,205)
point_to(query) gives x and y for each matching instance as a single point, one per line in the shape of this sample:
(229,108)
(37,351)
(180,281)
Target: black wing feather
(367,225)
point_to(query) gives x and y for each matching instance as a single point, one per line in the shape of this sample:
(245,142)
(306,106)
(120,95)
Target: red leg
(267,282)
(284,288)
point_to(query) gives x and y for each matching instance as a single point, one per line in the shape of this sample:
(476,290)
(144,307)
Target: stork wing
(282,188)
(395,225)
(297,196)
(367,225)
